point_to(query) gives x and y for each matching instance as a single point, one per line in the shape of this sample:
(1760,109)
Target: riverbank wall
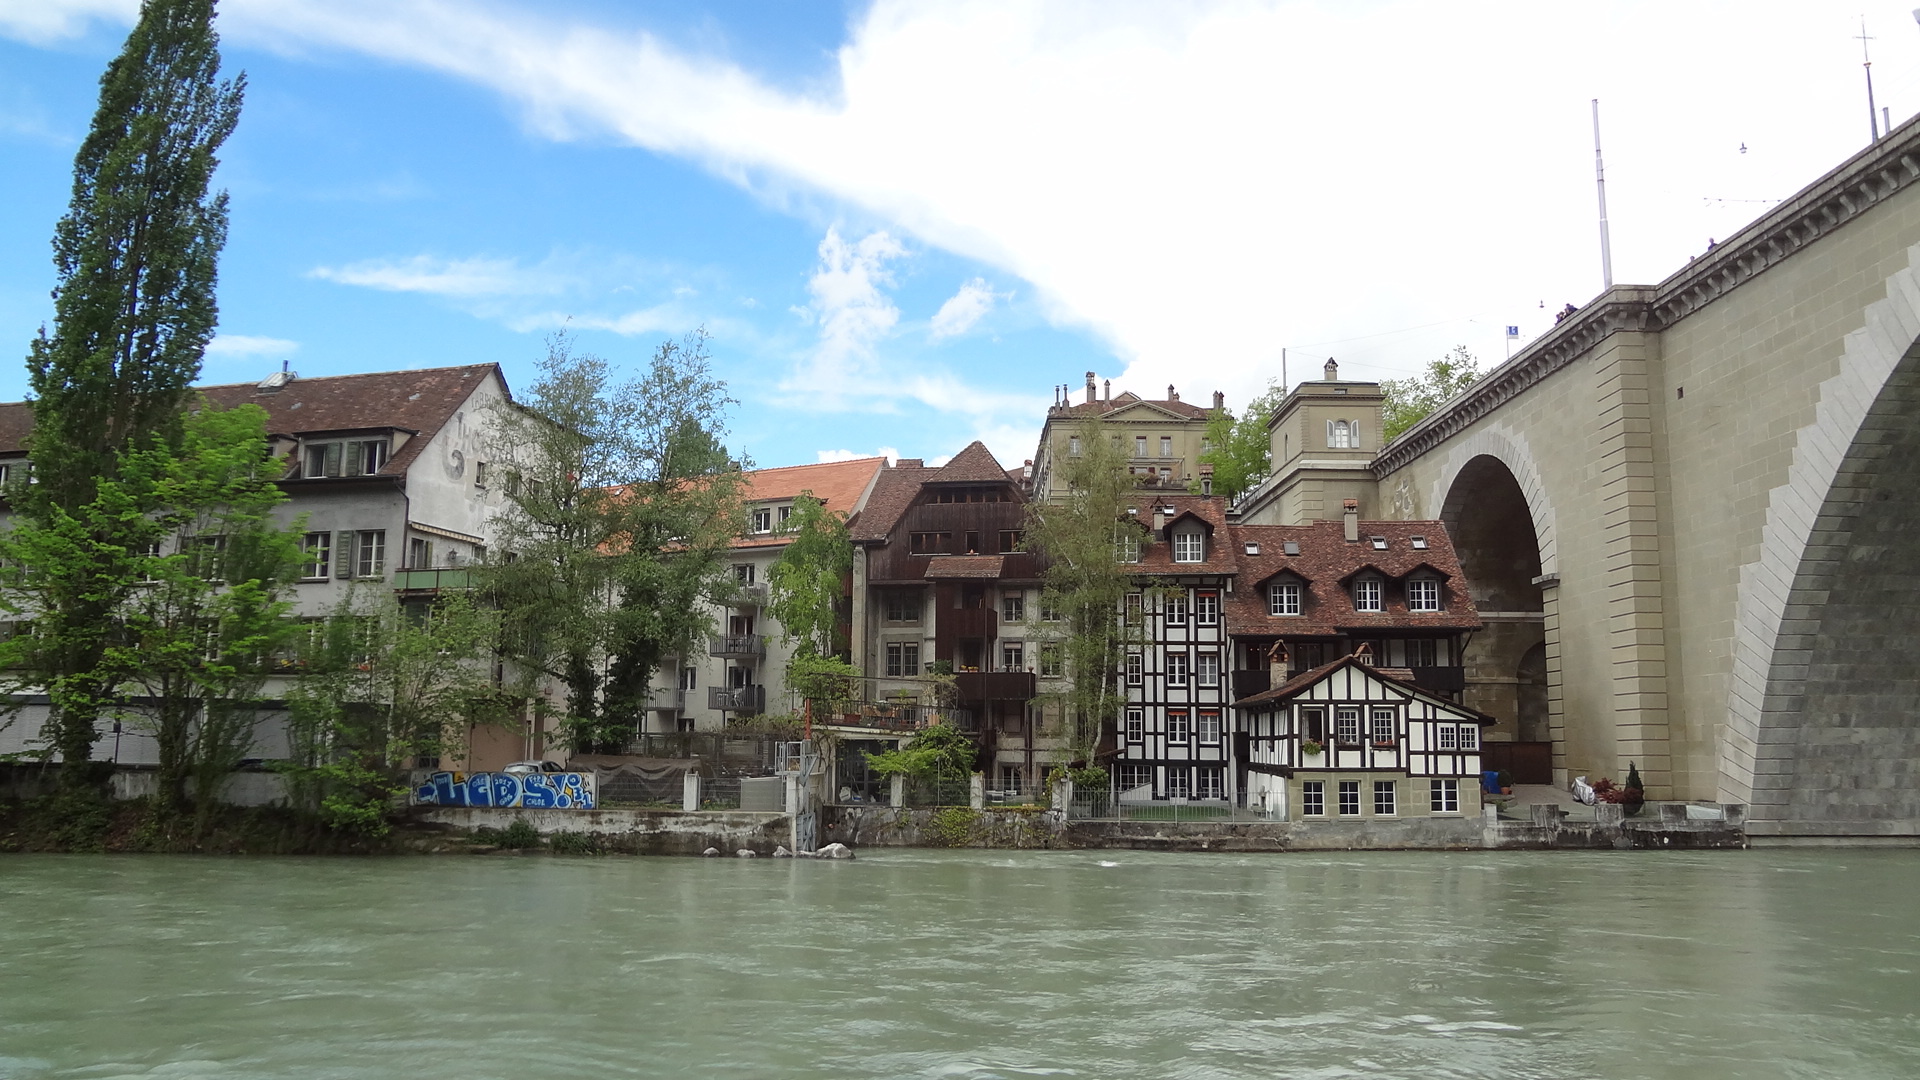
(633,832)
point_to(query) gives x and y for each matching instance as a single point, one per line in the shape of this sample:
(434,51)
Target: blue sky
(902,224)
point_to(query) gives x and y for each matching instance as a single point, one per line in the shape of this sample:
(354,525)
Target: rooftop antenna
(1873,114)
(1600,182)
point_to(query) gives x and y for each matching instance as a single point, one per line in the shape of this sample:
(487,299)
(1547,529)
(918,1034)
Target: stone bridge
(1691,512)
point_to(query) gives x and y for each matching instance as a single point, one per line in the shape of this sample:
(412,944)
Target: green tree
(195,637)
(1410,400)
(381,686)
(136,258)
(806,583)
(1086,539)
(621,503)
(1240,445)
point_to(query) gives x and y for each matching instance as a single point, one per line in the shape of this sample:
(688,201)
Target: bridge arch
(1823,718)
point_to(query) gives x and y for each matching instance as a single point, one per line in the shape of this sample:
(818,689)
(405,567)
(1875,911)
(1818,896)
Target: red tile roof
(973,465)
(841,485)
(965,566)
(892,495)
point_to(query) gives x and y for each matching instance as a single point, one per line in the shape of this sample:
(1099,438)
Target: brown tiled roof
(419,401)
(1398,677)
(965,566)
(838,484)
(893,493)
(974,465)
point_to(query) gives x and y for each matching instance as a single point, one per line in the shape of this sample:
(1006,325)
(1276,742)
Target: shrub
(567,842)
(952,827)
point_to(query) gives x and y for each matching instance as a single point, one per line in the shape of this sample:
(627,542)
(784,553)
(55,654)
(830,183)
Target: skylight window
(1291,547)
(1253,548)
(1379,543)
(1419,543)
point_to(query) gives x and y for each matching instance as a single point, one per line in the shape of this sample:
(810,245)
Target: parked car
(522,768)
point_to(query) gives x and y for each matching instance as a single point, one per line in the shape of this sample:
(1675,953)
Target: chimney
(1333,370)
(1276,664)
(1171,396)
(1350,511)
(1219,399)
(1159,518)
(1106,390)
(1089,387)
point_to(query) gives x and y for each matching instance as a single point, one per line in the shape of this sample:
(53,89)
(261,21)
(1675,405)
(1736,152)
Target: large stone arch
(1508,447)
(1821,731)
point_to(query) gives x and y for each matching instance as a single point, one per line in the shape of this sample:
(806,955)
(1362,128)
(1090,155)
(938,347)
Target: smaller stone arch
(1510,449)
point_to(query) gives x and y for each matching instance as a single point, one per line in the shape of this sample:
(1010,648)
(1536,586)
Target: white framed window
(689,678)
(1443,796)
(1013,656)
(1176,669)
(1469,737)
(1166,446)
(1383,798)
(743,573)
(1383,717)
(419,553)
(1206,608)
(1130,608)
(1212,783)
(1177,726)
(1419,543)
(1135,676)
(903,605)
(1073,445)
(1179,783)
(1313,798)
(1189,546)
(1175,609)
(1423,594)
(762,519)
(1206,669)
(786,513)
(1051,665)
(1136,775)
(1343,435)
(1283,598)
(1126,545)
(903,658)
(1013,608)
(1208,727)
(1139,446)
(354,457)
(1350,798)
(1136,729)
(370,559)
(1346,724)
(1422,652)
(479,474)
(316,555)
(1366,594)
(1446,737)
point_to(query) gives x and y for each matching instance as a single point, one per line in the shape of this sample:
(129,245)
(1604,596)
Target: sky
(903,224)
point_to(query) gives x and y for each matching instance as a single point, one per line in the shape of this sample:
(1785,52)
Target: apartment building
(1163,439)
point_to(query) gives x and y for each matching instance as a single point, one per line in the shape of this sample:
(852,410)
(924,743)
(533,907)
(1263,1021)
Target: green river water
(965,965)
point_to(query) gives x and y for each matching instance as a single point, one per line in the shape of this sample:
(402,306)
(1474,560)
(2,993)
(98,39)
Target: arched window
(1343,435)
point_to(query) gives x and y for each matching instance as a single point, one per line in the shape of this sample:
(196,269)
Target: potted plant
(1311,747)
(1633,795)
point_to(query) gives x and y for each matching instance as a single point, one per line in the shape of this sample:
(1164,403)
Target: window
(1010,777)
(1013,656)
(1048,611)
(1130,608)
(1382,725)
(903,605)
(1073,445)
(1139,446)
(479,474)
(1349,797)
(1208,727)
(1206,669)
(1422,652)
(903,658)
(1283,598)
(1313,724)
(1009,540)
(1136,730)
(1166,446)
(1346,724)
(1189,546)
(786,512)
(1179,783)
(1423,594)
(743,573)
(1290,547)
(1446,737)
(930,543)
(1133,669)
(1013,607)
(689,678)
(1253,548)
(1469,737)
(739,626)
(1383,791)
(357,457)
(1126,545)
(1212,783)
(370,556)
(1176,608)
(1135,776)
(762,519)
(1444,796)
(419,553)
(1206,608)
(1379,542)
(1050,662)
(1177,727)
(204,556)
(1176,669)
(1313,798)
(316,555)
(1342,435)
(738,676)
(1419,543)
(972,544)
(1366,594)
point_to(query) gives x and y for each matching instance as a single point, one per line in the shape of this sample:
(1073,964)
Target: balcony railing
(743,699)
(994,685)
(673,699)
(889,715)
(448,578)
(746,596)
(981,622)
(737,646)
(1442,679)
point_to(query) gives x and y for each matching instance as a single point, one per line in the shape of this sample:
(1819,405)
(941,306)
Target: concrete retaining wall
(638,832)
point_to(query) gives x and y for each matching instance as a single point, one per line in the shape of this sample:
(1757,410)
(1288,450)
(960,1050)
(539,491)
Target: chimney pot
(1219,399)
(1089,387)
(1277,664)
(1333,370)
(1350,512)
(1106,390)
(1171,396)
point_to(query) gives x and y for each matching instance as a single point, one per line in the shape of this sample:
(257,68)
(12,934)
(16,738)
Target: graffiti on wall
(534,791)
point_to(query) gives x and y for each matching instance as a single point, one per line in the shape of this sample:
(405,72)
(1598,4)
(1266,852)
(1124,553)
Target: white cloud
(457,278)
(237,345)
(852,310)
(964,308)
(44,21)
(888,452)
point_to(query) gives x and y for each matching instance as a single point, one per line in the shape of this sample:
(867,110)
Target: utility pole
(1600,181)
(1873,114)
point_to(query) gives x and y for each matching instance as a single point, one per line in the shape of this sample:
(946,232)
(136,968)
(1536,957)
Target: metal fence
(630,787)
(940,791)
(1108,806)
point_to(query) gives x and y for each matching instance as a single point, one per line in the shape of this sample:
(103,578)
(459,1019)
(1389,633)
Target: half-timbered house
(1350,740)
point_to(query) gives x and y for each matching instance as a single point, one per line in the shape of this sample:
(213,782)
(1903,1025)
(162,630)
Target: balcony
(889,716)
(1249,683)
(994,685)
(981,622)
(672,699)
(737,646)
(747,596)
(1441,679)
(425,580)
(741,699)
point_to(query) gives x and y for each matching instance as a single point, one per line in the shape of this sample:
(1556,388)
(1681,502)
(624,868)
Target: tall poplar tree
(136,256)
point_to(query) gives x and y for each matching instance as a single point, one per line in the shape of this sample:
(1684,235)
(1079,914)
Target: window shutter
(343,554)
(333,459)
(356,454)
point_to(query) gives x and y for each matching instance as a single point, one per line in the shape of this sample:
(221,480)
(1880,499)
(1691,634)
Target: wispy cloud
(227,346)
(456,278)
(853,312)
(964,308)
(43,22)
(888,452)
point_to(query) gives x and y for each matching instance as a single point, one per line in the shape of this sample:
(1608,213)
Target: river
(965,965)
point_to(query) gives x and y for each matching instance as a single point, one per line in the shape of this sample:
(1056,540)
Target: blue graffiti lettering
(558,791)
